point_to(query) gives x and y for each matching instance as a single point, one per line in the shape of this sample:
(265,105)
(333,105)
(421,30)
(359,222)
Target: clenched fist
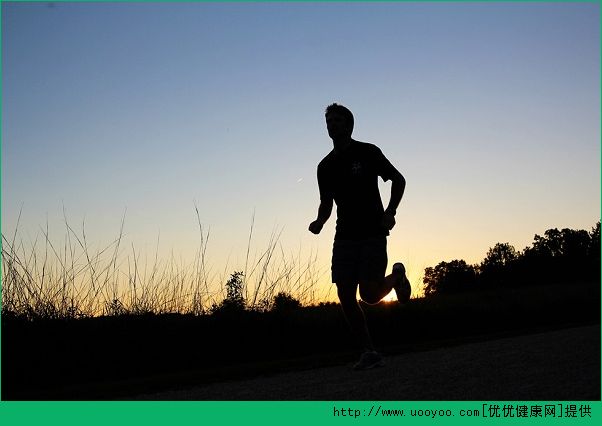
(315,227)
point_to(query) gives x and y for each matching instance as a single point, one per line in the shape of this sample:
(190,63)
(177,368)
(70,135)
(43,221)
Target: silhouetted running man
(348,176)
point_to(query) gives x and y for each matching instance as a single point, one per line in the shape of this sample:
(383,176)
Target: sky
(142,111)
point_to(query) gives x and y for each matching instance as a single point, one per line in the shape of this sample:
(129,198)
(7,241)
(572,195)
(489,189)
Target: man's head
(339,121)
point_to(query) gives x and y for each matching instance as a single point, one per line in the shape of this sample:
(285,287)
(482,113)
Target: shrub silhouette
(234,301)
(284,302)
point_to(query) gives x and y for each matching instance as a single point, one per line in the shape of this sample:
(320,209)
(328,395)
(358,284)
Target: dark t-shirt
(351,179)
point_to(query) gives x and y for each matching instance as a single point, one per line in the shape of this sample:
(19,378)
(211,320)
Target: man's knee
(369,293)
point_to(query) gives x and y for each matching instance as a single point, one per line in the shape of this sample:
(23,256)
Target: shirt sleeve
(384,168)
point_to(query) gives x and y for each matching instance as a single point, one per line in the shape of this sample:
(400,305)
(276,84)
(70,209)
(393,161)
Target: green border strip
(302,413)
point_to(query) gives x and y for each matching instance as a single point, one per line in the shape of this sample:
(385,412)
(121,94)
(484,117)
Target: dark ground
(556,365)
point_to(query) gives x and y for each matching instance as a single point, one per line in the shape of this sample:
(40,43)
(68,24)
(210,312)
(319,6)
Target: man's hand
(315,227)
(388,221)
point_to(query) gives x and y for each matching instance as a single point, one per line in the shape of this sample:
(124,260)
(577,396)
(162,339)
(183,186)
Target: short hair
(340,109)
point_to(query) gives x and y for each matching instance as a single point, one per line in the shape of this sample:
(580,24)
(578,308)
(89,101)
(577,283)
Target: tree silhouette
(498,265)
(594,247)
(557,257)
(565,243)
(449,277)
(499,256)
(550,245)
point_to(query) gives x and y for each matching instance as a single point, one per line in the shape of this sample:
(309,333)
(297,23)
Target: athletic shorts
(355,261)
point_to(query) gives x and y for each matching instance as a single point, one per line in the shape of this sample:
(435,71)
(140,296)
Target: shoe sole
(378,364)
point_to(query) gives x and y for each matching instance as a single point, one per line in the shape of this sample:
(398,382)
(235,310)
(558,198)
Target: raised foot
(402,286)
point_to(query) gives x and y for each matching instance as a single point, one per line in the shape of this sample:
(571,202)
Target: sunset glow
(138,112)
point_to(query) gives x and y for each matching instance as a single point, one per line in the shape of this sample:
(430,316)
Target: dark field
(122,357)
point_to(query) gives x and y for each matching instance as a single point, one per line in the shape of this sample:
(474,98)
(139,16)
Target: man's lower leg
(357,321)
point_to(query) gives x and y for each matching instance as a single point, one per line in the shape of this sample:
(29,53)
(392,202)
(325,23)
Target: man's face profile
(337,125)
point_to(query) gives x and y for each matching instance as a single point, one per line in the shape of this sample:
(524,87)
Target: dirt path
(558,365)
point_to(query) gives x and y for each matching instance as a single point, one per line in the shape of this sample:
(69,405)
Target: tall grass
(44,280)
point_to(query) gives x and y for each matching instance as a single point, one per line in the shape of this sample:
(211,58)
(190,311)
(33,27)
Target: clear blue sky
(491,112)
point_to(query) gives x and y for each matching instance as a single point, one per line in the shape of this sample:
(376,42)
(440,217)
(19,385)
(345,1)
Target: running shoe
(402,284)
(368,360)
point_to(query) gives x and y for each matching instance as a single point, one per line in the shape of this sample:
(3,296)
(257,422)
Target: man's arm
(398,186)
(326,200)
(324,212)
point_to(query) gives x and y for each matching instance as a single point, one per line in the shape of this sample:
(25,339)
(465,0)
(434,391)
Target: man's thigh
(345,258)
(373,260)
